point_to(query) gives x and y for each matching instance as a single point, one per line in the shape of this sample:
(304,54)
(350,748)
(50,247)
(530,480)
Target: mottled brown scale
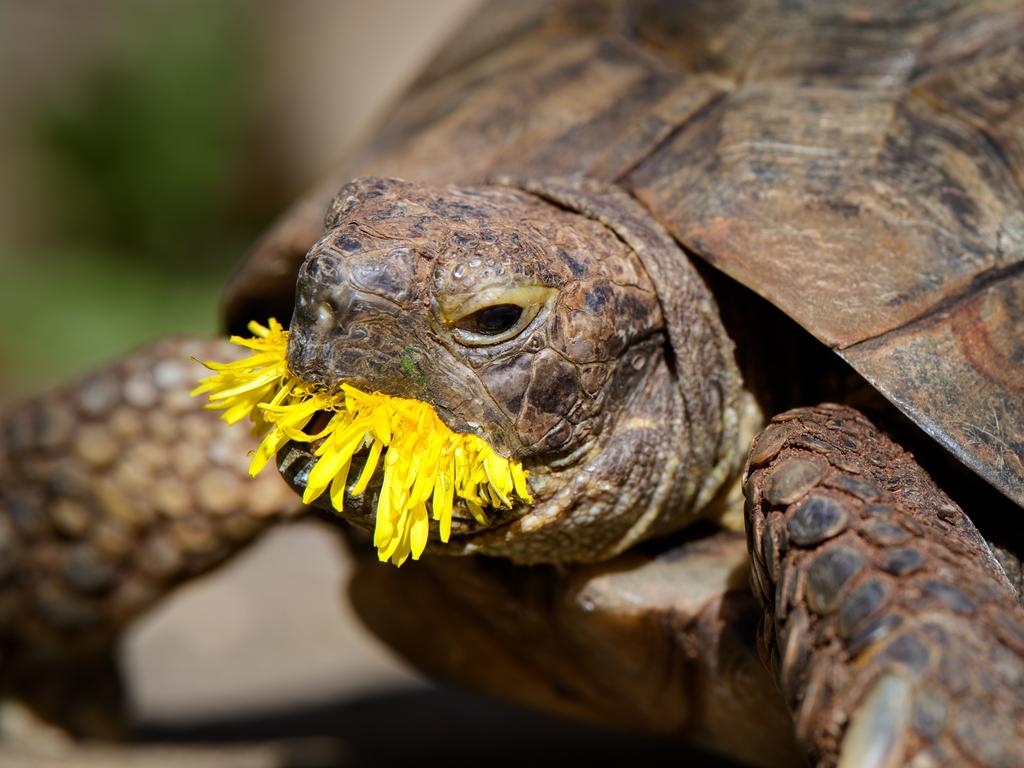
(893,630)
(108,530)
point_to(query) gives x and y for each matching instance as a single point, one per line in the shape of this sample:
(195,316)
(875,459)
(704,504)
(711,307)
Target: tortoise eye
(493,315)
(492,321)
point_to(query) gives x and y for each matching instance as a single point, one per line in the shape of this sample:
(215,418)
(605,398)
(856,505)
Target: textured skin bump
(896,635)
(113,490)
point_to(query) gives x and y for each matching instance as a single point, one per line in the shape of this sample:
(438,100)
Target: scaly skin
(897,637)
(112,491)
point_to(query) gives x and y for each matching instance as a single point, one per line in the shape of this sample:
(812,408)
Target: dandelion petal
(425,461)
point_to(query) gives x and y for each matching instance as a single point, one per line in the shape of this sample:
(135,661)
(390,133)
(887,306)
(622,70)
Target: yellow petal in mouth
(424,463)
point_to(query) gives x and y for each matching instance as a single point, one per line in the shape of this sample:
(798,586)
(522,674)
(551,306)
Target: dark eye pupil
(496,319)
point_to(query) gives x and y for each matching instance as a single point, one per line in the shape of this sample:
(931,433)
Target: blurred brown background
(144,146)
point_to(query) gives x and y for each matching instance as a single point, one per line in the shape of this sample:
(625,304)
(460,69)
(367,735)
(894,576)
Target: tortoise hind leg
(112,491)
(895,634)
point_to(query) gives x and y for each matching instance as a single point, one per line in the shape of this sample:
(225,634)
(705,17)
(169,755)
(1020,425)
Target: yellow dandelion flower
(426,465)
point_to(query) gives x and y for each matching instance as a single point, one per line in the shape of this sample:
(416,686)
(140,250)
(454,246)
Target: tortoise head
(536,327)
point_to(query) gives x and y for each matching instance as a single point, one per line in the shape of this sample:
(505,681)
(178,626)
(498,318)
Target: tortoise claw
(875,736)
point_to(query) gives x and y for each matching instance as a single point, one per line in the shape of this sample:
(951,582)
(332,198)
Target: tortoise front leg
(895,634)
(112,491)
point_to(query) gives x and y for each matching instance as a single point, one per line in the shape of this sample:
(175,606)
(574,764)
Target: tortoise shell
(859,165)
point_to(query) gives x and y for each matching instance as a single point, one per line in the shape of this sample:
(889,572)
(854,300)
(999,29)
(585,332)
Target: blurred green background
(144,145)
(142,181)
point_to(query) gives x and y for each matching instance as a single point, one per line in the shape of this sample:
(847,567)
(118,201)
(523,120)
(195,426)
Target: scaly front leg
(896,636)
(112,491)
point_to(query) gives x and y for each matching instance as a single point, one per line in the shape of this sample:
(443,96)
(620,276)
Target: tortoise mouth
(428,469)
(296,459)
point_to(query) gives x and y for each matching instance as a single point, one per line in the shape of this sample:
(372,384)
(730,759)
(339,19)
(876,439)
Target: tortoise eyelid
(454,308)
(529,299)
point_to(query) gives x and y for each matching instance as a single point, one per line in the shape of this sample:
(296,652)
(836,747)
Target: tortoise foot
(895,634)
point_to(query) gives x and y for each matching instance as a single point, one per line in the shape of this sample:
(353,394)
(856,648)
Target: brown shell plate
(858,164)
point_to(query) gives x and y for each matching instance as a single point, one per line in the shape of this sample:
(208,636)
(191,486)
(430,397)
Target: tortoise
(643,249)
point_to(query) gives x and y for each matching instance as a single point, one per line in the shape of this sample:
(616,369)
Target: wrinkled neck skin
(625,485)
(585,347)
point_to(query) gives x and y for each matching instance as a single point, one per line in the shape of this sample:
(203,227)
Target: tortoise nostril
(323,305)
(324,315)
